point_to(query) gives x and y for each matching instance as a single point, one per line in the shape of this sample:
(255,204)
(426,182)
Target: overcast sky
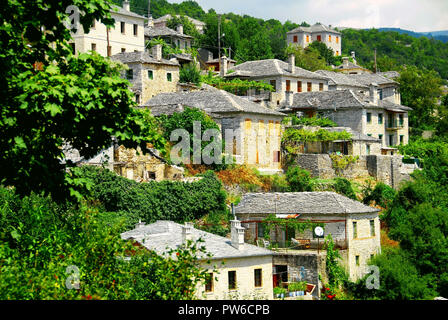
(416,15)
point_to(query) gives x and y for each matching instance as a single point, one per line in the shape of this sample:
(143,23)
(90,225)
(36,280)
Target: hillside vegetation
(252,39)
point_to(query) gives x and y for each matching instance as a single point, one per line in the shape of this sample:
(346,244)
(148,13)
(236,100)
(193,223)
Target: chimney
(237,234)
(157,52)
(374,93)
(353,57)
(187,232)
(345,62)
(289,98)
(180,29)
(140,224)
(150,22)
(223,70)
(126,5)
(291,63)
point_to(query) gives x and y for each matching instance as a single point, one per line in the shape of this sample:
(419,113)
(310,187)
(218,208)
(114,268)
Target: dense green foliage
(39,240)
(186,120)
(399,280)
(420,89)
(82,101)
(299,179)
(381,194)
(313,121)
(344,187)
(190,74)
(237,86)
(395,50)
(417,217)
(166,200)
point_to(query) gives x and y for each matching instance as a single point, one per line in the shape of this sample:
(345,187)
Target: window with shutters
(209,282)
(329,38)
(355,230)
(129,74)
(288,85)
(123,27)
(319,38)
(321,87)
(307,38)
(248,124)
(232,280)
(372,228)
(309,86)
(94,47)
(276,156)
(135,29)
(299,86)
(150,74)
(258,278)
(296,39)
(273,84)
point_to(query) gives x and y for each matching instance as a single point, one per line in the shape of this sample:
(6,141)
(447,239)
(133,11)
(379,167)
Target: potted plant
(301,288)
(279,292)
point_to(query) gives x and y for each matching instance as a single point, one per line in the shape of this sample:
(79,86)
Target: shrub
(39,240)
(344,187)
(190,74)
(382,194)
(299,180)
(166,200)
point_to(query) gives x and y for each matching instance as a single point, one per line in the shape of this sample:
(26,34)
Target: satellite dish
(319,232)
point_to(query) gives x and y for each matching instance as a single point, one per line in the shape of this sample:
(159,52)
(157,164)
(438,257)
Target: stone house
(283,76)
(244,271)
(175,38)
(130,163)
(149,74)
(353,226)
(304,36)
(358,145)
(126,36)
(349,67)
(254,131)
(163,22)
(364,113)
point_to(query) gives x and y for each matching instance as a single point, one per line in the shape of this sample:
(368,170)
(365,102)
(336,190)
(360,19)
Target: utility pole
(375,65)
(108,44)
(219,41)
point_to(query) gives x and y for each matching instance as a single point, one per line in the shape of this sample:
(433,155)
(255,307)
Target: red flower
(177,253)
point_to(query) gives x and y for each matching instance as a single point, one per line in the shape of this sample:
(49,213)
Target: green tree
(399,280)
(309,58)
(190,74)
(344,187)
(299,180)
(82,101)
(420,90)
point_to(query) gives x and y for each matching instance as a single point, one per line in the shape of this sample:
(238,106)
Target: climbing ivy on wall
(293,138)
(271,221)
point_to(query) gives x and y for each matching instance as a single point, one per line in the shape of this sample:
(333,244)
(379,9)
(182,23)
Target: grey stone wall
(387,169)
(304,266)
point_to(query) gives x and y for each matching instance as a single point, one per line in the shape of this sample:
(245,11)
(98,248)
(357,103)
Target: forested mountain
(251,38)
(395,49)
(437,35)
